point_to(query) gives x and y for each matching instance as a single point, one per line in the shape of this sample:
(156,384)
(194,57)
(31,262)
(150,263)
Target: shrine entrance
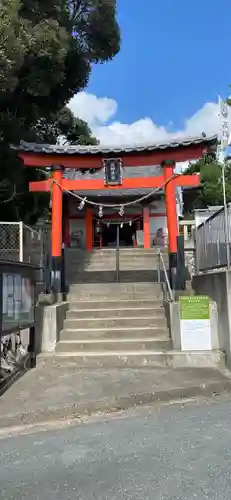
(105,235)
(126,235)
(138,174)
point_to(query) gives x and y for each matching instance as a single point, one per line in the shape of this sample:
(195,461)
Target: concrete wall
(48,324)
(218,286)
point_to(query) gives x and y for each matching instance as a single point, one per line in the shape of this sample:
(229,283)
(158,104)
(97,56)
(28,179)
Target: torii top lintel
(178,150)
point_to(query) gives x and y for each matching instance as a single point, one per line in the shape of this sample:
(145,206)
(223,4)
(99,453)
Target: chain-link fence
(21,243)
(11,241)
(213,241)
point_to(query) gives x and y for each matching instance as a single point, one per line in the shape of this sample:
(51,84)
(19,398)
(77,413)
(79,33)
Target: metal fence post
(226,215)
(117,253)
(196,239)
(1,311)
(218,249)
(32,347)
(20,241)
(158,267)
(227,233)
(180,277)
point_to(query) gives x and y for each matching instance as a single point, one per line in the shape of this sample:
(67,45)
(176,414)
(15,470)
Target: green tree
(47,49)
(211,191)
(62,126)
(15,200)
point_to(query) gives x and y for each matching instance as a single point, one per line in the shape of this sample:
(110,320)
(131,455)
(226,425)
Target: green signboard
(195,307)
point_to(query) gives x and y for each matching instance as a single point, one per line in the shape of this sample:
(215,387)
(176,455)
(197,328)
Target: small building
(130,221)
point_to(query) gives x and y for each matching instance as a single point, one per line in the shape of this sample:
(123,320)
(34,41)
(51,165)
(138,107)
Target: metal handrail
(161,260)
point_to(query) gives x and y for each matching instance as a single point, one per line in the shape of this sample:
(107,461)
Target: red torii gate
(60,157)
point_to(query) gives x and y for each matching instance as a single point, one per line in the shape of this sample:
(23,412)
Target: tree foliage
(211,190)
(15,201)
(61,127)
(47,48)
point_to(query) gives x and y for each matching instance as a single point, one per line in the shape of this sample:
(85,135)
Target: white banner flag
(224,125)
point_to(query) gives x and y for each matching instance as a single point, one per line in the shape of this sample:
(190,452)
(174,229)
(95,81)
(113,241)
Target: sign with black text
(112,172)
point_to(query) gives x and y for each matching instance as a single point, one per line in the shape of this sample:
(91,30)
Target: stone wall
(217,285)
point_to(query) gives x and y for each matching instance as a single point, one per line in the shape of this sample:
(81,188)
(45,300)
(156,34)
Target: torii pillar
(57,230)
(171,213)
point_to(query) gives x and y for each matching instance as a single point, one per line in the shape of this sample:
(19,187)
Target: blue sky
(174,58)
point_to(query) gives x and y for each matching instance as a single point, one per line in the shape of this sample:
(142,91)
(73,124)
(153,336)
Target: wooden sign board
(112,172)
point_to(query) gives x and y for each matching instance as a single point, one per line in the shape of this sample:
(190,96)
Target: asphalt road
(168,453)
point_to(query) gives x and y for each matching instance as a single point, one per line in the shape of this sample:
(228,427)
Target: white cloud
(100,111)
(94,110)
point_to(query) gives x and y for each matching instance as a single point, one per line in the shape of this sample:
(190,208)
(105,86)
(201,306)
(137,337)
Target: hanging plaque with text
(112,171)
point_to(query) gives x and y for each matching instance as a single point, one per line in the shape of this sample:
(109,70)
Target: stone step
(110,253)
(138,359)
(123,259)
(108,275)
(114,288)
(81,305)
(114,345)
(108,291)
(112,261)
(145,266)
(114,322)
(104,252)
(107,266)
(159,312)
(84,296)
(106,359)
(116,333)
(111,276)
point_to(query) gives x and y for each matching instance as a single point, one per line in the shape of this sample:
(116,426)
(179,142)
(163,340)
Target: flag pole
(226,214)
(223,113)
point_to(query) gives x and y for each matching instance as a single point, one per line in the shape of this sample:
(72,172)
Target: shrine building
(96,188)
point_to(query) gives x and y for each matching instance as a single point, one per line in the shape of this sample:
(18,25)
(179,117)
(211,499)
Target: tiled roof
(94,150)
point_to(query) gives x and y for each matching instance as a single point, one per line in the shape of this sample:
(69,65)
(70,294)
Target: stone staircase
(111,324)
(135,264)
